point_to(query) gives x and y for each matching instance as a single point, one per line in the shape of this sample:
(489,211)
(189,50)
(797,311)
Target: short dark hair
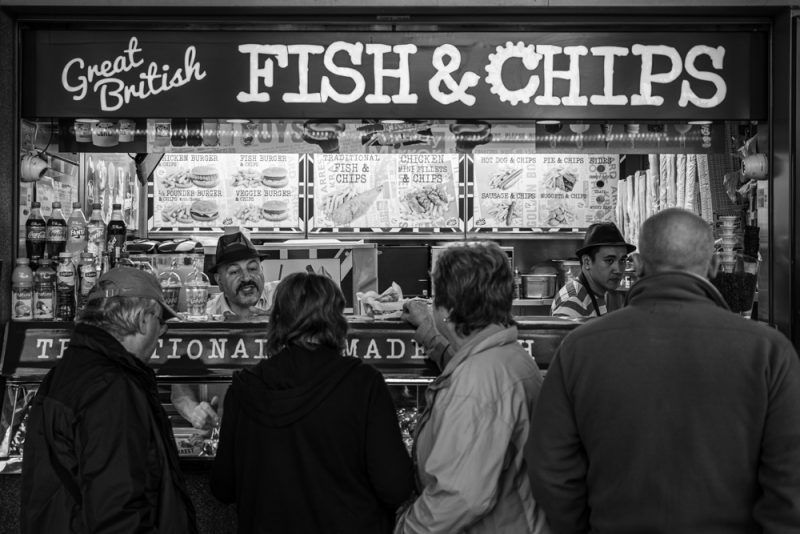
(308,311)
(474,281)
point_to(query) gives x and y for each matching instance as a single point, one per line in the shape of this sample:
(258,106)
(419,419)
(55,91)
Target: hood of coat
(675,286)
(286,388)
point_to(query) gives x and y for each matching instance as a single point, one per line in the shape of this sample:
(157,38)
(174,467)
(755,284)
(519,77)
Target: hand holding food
(416,311)
(387,305)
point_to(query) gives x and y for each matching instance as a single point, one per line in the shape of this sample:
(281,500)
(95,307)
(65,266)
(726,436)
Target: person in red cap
(99,454)
(603,257)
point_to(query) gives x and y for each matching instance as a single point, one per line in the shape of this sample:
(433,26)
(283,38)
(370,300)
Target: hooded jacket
(670,415)
(310,442)
(470,442)
(99,455)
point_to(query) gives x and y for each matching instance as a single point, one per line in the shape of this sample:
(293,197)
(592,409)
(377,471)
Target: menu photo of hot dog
(384,192)
(549,192)
(256,191)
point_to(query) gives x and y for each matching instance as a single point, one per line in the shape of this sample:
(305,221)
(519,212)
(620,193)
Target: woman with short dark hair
(310,440)
(470,438)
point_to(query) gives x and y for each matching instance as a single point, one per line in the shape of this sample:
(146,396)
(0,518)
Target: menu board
(543,191)
(416,192)
(260,192)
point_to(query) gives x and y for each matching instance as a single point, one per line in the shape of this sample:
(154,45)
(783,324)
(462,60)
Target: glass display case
(204,356)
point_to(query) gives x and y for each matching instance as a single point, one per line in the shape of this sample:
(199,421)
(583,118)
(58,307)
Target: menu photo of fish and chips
(548,192)
(386,192)
(254,191)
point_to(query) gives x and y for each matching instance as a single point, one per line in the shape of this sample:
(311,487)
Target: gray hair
(119,316)
(676,240)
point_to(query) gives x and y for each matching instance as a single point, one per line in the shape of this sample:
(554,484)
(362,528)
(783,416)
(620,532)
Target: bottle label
(77,232)
(37,234)
(88,279)
(22,302)
(56,233)
(43,295)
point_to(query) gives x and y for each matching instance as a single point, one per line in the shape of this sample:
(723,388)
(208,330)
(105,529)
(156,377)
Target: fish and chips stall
(359,148)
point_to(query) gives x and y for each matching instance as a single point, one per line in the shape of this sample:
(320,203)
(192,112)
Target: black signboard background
(46,52)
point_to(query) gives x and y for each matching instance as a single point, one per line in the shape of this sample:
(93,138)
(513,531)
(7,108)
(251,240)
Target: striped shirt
(573,301)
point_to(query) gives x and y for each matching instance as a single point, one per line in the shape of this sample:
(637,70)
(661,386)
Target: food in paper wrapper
(506,212)
(345,206)
(430,200)
(178,180)
(560,215)
(176,213)
(560,178)
(247,178)
(387,305)
(504,180)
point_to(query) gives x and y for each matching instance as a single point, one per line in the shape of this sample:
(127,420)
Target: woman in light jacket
(468,452)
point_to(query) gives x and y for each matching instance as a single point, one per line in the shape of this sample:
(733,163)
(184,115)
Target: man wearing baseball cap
(100,453)
(603,256)
(237,271)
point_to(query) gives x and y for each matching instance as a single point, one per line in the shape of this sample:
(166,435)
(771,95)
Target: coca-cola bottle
(115,235)
(56,232)
(35,234)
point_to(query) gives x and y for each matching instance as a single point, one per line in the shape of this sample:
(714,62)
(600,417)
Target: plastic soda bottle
(96,231)
(22,291)
(65,288)
(77,236)
(44,290)
(87,278)
(115,235)
(35,233)
(56,232)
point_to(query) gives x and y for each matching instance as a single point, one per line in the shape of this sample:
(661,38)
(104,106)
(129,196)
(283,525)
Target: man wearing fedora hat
(237,271)
(603,256)
(243,295)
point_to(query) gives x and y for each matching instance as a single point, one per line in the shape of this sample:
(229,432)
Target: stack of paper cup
(728,238)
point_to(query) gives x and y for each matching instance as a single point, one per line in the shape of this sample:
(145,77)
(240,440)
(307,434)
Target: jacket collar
(675,285)
(101,342)
(491,336)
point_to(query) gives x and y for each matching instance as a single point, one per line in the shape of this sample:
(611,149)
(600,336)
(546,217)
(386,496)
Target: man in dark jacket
(99,455)
(672,414)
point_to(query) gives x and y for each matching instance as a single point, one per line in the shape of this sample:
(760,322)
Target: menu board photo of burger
(548,192)
(260,192)
(386,193)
